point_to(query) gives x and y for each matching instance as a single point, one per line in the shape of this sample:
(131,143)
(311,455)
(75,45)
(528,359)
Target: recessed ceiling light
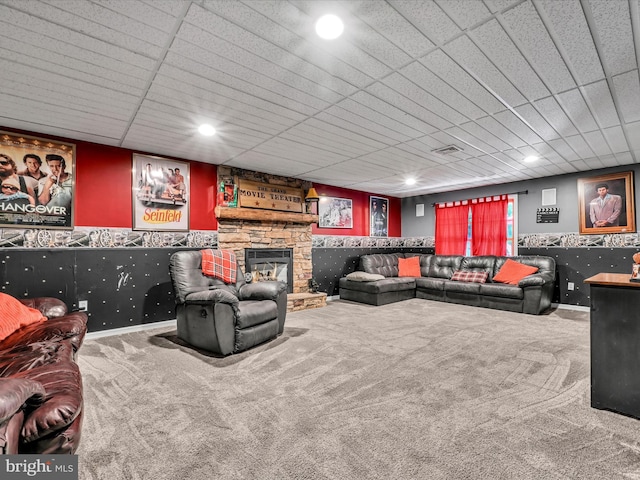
(329,27)
(206,130)
(410,181)
(530,158)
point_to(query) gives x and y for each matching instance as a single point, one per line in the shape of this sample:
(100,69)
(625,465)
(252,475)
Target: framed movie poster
(379,213)
(37,184)
(335,212)
(160,194)
(606,204)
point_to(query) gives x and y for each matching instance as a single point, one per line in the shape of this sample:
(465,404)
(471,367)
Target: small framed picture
(160,194)
(335,212)
(606,204)
(379,215)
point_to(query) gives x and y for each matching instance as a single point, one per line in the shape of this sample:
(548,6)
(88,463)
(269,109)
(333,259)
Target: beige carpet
(412,390)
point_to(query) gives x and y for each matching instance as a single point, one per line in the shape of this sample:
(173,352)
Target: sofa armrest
(49,306)
(217,295)
(72,326)
(262,291)
(16,392)
(535,279)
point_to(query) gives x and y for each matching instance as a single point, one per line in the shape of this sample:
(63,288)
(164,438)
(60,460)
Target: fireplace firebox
(270,264)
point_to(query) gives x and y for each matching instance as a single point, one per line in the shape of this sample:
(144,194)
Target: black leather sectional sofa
(532,295)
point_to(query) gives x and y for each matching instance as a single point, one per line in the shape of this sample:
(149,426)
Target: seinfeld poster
(160,194)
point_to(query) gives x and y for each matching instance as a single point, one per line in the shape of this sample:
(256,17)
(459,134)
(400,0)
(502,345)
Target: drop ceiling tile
(555,116)
(580,146)
(570,31)
(496,128)
(613,26)
(598,96)
(593,163)
(461,81)
(537,121)
(469,57)
(499,5)
(616,139)
(530,34)
(455,136)
(498,47)
(633,135)
(464,13)
(290,27)
(340,136)
(244,27)
(389,37)
(269,164)
(609,161)
(577,109)
(385,114)
(624,158)
(208,49)
(430,112)
(597,143)
(429,18)
(495,143)
(353,123)
(187,71)
(440,90)
(563,149)
(627,89)
(172,82)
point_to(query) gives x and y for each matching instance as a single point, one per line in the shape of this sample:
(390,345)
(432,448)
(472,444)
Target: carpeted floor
(411,390)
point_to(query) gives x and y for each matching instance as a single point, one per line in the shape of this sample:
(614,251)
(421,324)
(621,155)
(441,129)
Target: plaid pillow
(220,264)
(469,276)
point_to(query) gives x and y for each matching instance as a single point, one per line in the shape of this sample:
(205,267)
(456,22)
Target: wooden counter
(613,279)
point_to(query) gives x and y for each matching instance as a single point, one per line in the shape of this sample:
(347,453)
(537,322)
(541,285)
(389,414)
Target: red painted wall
(103,192)
(361,216)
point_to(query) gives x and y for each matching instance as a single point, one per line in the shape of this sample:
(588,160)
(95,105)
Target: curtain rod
(521,192)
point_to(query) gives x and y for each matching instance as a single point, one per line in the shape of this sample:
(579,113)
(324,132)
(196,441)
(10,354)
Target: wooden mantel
(259,215)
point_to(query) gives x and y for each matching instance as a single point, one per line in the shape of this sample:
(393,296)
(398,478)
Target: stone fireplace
(240,229)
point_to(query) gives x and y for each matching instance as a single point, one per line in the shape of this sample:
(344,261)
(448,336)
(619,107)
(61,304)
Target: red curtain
(489,227)
(451,229)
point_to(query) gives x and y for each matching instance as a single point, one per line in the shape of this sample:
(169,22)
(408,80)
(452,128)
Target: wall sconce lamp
(311,198)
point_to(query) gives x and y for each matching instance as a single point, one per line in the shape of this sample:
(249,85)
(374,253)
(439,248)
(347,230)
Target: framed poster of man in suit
(607,204)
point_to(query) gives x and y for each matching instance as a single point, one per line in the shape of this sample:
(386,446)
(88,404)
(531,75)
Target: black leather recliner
(224,318)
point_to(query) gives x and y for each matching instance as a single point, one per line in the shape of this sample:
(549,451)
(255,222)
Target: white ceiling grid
(500,79)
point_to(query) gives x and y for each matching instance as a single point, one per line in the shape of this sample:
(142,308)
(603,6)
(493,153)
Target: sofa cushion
(429,283)
(512,272)
(14,315)
(502,290)
(469,276)
(381,263)
(395,284)
(443,266)
(364,277)
(409,267)
(462,287)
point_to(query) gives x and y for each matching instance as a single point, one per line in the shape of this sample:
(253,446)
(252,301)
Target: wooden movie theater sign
(270,197)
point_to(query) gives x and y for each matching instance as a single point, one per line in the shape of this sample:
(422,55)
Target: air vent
(448,150)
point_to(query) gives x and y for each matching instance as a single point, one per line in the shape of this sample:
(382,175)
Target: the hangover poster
(37,182)
(160,194)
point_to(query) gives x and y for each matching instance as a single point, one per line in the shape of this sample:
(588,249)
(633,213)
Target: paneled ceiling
(499,79)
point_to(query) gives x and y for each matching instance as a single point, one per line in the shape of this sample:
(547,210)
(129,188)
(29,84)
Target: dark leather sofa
(532,295)
(40,384)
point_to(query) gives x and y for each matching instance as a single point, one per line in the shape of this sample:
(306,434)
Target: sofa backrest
(185,268)
(381,263)
(443,266)
(425,264)
(479,264)
(544,264)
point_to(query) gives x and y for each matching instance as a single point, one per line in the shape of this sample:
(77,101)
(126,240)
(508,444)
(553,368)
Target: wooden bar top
(614,279)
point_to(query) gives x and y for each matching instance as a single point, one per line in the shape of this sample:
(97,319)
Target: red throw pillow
(14,315)
(512,272)
(409,267)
